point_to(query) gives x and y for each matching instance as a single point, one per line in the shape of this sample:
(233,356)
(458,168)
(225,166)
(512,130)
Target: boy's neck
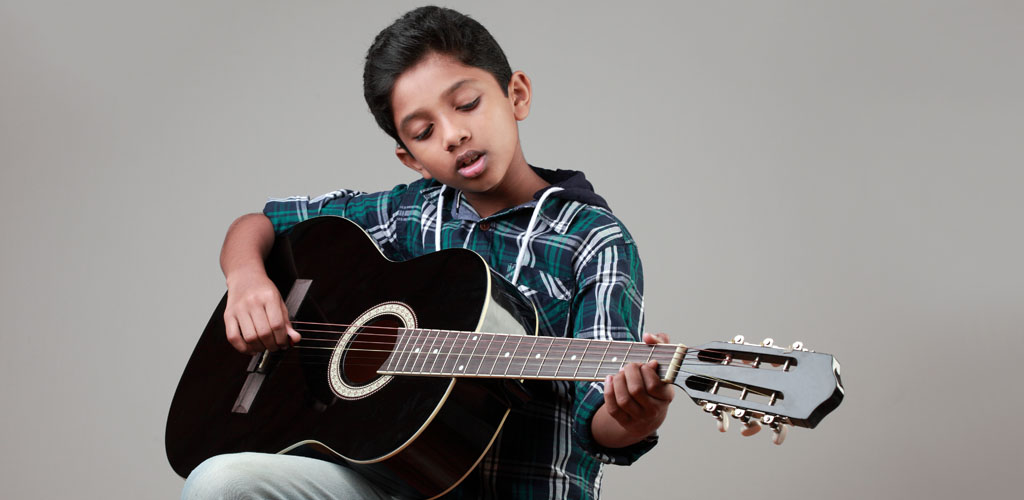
(518,187)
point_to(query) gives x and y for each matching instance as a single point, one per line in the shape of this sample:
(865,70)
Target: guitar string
(377,363)
(596,364)
(400,330)
(567,342)
(385,327)
(692,355)
(617,344)
(690,352)
(723,383)
(354,361)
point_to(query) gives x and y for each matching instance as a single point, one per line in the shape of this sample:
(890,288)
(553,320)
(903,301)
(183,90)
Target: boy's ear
(519,92)
(410,161)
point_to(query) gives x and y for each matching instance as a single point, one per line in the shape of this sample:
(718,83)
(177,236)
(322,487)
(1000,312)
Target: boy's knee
(235,476)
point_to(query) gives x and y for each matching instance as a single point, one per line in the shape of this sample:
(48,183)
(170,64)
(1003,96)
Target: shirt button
(484,226)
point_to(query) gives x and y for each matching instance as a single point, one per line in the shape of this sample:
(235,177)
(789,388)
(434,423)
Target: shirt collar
(557,213)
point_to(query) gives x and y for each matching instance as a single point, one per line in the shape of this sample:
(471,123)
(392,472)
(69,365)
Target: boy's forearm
(248,241)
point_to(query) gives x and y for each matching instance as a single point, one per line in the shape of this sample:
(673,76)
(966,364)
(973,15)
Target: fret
(600,363)
(426,352)
(653,347)
(526,360)
(436,352)
(664,367)
(497,355)
(551,342)
(471,367)
(582,357)
(401,351)
(458,363)
(558,367)
(447,367)
(625,357)
(519,340)
(422,351)
(406,348)
(389,363)
(417,350)
(642,356)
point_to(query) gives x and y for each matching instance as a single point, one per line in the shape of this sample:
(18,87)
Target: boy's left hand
(636,398)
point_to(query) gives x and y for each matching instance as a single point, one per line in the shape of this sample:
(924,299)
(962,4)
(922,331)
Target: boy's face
(457,125)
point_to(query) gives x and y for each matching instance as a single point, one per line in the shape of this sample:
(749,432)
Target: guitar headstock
(762,383)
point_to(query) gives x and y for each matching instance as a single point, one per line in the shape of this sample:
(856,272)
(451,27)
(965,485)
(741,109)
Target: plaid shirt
(582,272)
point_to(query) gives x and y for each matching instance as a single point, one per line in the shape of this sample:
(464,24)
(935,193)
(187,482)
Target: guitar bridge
(262,363)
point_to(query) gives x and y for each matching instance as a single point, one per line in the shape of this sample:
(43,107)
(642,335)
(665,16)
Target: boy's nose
(455,137)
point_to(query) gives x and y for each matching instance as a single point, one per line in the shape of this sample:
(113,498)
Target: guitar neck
(443,353)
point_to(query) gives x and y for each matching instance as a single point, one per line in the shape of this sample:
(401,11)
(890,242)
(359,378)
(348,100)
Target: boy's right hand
(256,318)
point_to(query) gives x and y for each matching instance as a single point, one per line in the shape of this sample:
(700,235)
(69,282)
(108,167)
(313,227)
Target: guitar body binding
(413,436)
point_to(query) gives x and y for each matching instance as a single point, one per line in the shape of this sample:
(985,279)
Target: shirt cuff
(591,401)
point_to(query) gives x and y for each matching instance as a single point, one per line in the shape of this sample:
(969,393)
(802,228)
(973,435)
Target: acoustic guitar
(407,370)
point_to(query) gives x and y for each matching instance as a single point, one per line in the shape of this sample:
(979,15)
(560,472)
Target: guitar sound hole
(368,350)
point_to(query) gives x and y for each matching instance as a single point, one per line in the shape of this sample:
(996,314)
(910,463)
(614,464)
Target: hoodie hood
(574,184)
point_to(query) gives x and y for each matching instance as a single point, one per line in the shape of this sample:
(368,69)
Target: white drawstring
(437,227)
(529,231)
(526,236)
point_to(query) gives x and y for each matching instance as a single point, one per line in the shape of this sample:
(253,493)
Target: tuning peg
(797,346)
(768,342)
(779,429)
(723,423)
(737,339)
(750,426)
(779,432)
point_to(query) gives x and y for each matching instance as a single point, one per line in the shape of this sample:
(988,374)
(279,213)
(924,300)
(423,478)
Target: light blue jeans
(241,476)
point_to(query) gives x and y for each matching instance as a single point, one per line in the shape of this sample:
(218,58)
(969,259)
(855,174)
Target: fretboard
(444,353)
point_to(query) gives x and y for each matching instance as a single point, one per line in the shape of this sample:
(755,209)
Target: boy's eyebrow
(455,86)
(449,91)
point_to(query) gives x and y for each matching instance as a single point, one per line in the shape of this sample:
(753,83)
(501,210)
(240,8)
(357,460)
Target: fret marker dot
(537,356)
(615,359)
(573,357)
(416,349)
(435,351)
(475,337)
(506,354)
(461,367)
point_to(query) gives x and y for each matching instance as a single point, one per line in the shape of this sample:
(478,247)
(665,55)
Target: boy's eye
(469,106)
(425,133)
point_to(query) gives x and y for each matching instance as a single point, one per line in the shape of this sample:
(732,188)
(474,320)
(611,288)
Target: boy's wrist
(243,273)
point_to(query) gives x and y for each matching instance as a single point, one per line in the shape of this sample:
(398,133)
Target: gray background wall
(846,174)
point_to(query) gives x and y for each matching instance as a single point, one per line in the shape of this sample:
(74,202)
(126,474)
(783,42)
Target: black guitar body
(415,436)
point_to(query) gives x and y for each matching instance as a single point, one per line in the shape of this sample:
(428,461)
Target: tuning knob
(750,426)
(723,423)
(779,432)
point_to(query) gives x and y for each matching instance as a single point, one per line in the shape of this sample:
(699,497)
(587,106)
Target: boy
(438,83)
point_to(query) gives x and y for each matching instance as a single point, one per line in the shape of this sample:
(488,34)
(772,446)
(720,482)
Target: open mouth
(470,163)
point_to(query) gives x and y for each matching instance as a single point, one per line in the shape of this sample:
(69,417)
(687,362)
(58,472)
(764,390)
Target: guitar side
(414,435)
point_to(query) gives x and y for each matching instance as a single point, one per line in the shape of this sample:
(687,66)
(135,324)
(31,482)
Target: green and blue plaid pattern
(583,273)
